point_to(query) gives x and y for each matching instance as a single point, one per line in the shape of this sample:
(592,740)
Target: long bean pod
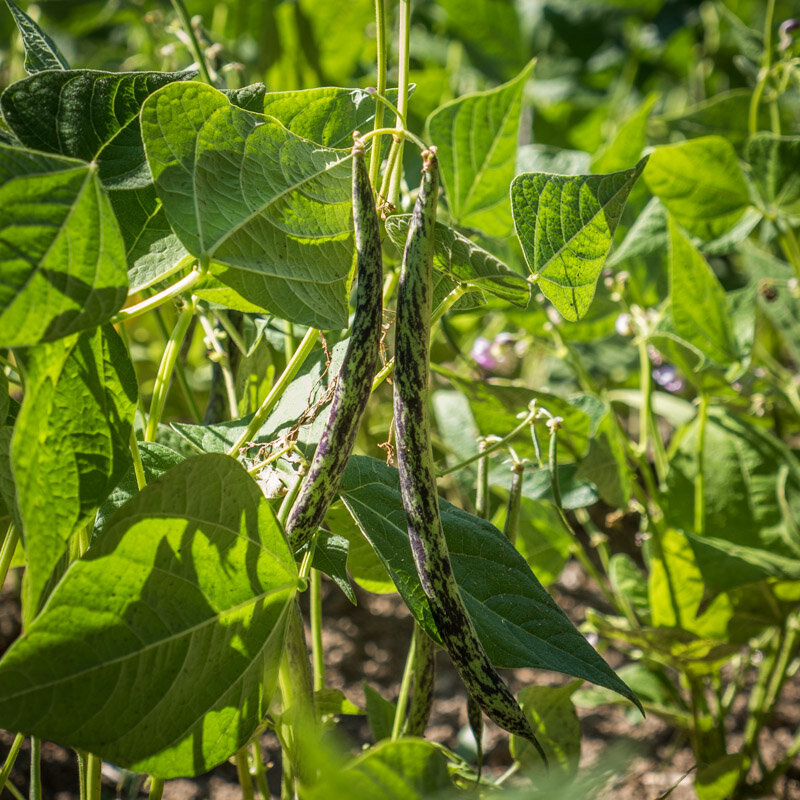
(358,369)
(417,473)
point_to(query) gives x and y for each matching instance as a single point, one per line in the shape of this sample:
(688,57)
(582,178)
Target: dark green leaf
(41,52)
(271,210)
(61,252)
(466,263)
(516,619)
(89,115)
(175,619)
(74,459)
(566,225)
(330,557)
(380,713)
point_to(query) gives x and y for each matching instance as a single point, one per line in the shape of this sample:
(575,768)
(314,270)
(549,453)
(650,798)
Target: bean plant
(427,341)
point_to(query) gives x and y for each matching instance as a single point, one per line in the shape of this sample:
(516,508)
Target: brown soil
(368,642)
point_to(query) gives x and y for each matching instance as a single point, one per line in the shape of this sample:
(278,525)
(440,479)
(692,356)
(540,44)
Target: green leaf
(775,164)
(330,557)
(516,619)
(70,444)
(698,304)
(41,52)
(752,485)
(717,780)
(334,702)
(606,466)
(89,115)
(541,539)
(151,248)
(156,460)
(466,263)
(175,619)
(326,115)
(676,590)
(476,136)
(380,713)
(701,184)
(552,714)
(629,584)
(61,252)
(362,563)
(647,236)
(566,224)
(406,769)
(271,210)
(628,142)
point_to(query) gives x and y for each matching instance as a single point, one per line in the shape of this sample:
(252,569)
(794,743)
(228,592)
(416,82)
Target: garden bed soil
(368,642)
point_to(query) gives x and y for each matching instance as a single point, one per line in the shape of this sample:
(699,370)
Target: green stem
(11,759)
(138,466)
(243,774)
(791,248)
(288,501)
(223,360)
(380,29)
(264,410)
(403,38)
(398,133)
(511,525)
(7,551)
(315,621)
(482,491)
(156,789)
(35,792)
(496,445)
(165,369)
(158,299)
(230,329)
(82,759)
(260,775)
(93,765)
(764,72)
(405,687)
(646,412)
(699,480)
(186,24)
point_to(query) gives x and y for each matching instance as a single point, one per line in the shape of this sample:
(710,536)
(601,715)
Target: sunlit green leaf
(70,444)
(476,136)
(175,619)
(775,164)
(62,262)
(566,226)
(701,184)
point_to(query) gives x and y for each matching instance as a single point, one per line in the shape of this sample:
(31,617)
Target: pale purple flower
(667,376)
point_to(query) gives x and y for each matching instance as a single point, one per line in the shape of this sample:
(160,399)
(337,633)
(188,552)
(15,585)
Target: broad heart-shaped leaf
(89,115)
(699,310)
(325,115)
(467,263)
(517,621)
(151,248)
(41,52)
(476,136)
(70,444)
(566,224)
(61,254)
(701,184)
(271,210)
(775,165)
(159,648)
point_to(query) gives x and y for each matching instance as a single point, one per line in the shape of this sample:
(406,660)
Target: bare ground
(368,642)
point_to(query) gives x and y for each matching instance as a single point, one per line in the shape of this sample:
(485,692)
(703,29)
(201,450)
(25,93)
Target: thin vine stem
(7,551)
(315,623)
(165,369)
(396,132)
(279,387)
(186,24)
(35,791)
(156,789)
(11,759)
(700,480)
(243,774)
(380,31)
(181,286)
(138,466)
(93,772)
(405,687)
